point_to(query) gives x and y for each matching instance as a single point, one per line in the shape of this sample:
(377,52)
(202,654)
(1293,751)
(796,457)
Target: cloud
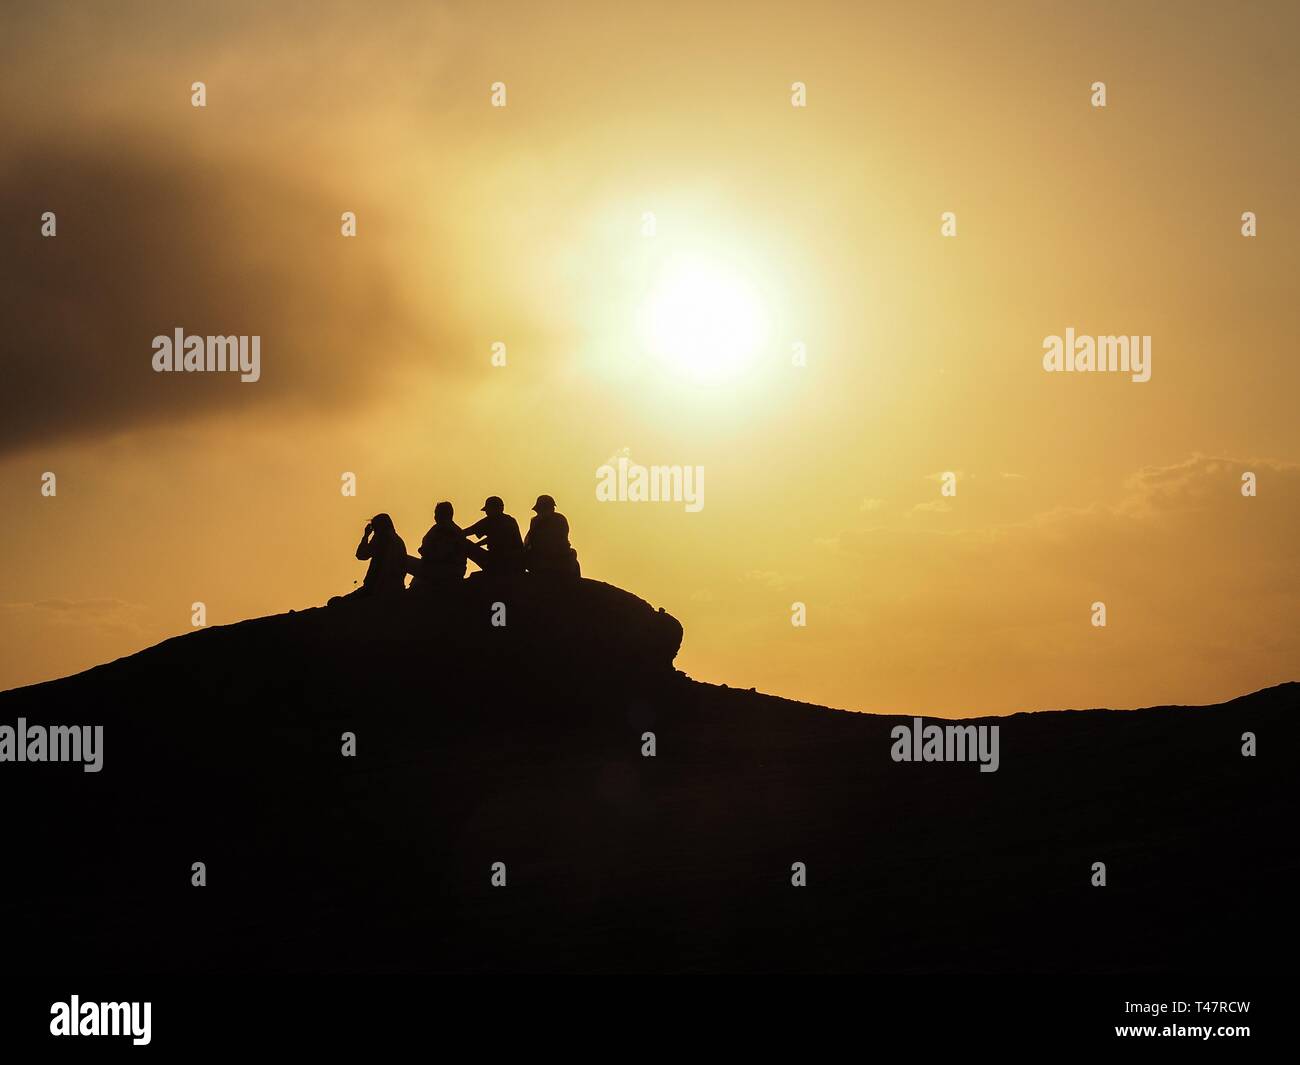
(938,506)
(1201,481)
(152,237)
(1201,584)
(92,607)
(1195,501)
(766,578)
(115,615)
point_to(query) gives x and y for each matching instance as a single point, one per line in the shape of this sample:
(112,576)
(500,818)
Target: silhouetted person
(442,551)
(504,551)
(546,547)
(386,551)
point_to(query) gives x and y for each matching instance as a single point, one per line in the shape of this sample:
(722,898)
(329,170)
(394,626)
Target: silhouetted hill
(522,744)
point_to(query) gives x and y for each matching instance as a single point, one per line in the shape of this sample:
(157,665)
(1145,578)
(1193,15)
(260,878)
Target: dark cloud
(152,237)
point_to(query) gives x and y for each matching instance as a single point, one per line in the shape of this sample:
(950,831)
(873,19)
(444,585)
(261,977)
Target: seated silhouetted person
(386,551)
(502,551)
(546,547)
(442,552)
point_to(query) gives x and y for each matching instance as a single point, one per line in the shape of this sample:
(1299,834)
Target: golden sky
(525,224)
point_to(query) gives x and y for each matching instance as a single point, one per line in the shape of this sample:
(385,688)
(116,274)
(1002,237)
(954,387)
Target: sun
(703,320)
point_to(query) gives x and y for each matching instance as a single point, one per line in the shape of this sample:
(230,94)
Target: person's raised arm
(366,548)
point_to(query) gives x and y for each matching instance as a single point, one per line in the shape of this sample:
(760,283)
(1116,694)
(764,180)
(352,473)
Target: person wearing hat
(547,548)
(501,551)
(442,552)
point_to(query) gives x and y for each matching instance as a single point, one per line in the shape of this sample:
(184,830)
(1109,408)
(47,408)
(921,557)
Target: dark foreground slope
(522,744)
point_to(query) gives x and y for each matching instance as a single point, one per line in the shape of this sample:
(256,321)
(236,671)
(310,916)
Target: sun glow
(703,321)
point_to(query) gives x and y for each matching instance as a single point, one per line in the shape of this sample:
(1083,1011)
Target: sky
(684,269)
